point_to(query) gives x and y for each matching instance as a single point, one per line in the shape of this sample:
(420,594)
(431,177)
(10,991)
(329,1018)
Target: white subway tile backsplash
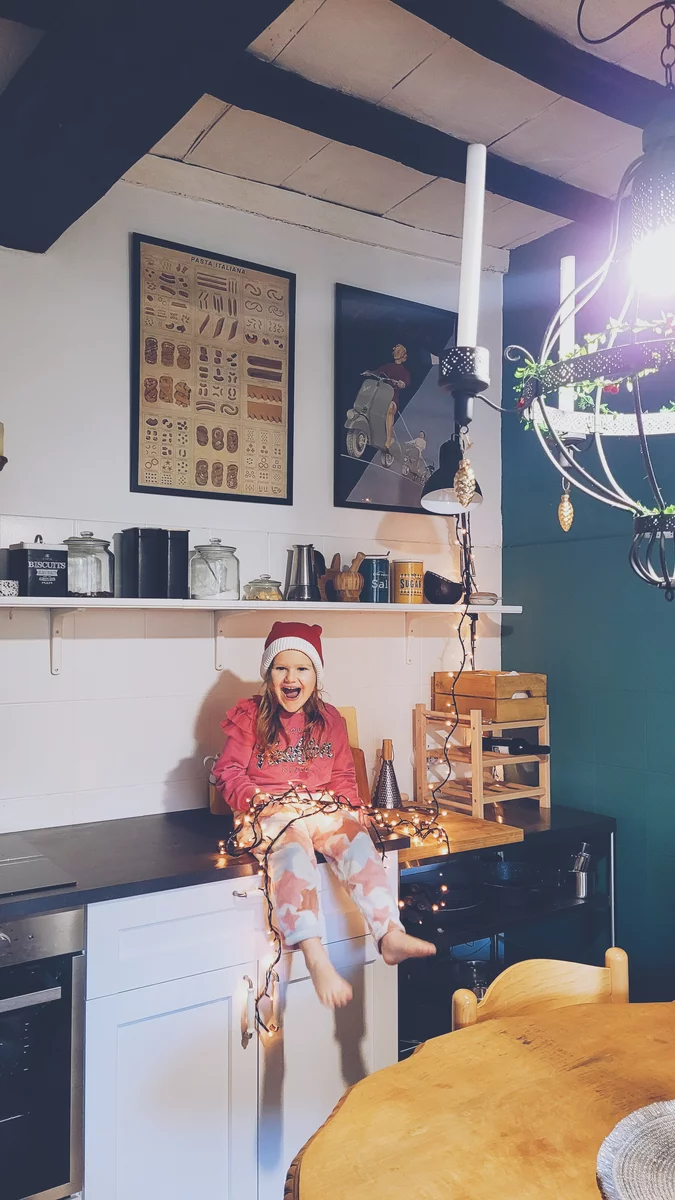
(52,530)
(36,812)
(112,804)
(135,741)
(37,749)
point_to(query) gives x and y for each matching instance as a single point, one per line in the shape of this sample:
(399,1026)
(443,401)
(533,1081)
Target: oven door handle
(46,996)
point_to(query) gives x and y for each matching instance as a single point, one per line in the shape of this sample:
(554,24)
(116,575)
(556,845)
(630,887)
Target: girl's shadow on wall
(208,735)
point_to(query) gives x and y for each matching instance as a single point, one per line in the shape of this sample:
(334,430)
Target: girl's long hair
(269,729)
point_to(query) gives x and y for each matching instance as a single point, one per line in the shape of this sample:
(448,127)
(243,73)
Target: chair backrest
(349,715)
(542,983)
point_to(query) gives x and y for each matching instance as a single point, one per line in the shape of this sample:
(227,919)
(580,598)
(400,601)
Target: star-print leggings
(346,844)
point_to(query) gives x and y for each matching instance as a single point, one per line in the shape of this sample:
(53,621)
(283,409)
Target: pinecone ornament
(465,483)
(565,512)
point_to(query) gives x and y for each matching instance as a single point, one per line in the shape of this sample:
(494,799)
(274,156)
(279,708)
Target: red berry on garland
(613,388)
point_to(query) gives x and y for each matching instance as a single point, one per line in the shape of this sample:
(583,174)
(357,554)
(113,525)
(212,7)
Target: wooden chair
(541,983)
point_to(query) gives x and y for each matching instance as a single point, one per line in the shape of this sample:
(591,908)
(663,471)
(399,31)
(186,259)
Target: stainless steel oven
(41,1055)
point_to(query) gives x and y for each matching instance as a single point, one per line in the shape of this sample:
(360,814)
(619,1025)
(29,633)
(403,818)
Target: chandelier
(563,392)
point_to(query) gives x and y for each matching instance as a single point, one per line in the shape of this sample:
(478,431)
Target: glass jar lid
(264,581)
(215,546)
(85,541)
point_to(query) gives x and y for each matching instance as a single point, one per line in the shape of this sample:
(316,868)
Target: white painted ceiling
(637,49)
(227,139)
(383,54)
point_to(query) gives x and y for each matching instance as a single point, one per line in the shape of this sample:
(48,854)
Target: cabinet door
(318,1054)
(171,1092)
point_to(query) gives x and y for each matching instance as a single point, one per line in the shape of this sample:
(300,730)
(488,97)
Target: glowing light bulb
(444,887)
(652,264)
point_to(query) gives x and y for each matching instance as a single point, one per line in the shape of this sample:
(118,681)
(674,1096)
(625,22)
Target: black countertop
(137,855)
(130,857)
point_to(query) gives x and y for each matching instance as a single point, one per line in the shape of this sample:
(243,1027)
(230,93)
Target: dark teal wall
(605,639)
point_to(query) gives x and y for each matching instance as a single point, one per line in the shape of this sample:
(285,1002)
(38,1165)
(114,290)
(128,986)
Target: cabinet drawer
(143,940)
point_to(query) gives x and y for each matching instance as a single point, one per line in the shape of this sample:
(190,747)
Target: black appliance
(153,563)
(24,869)
(41,1058)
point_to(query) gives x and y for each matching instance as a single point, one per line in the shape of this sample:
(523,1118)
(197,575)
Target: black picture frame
(368,325)
(191,338)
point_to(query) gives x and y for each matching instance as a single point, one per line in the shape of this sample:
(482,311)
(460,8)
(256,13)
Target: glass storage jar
(214,572)
(91,566)
(263,588)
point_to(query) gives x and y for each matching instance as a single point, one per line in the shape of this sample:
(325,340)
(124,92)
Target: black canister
(153,563)
(41,570)
(375,572)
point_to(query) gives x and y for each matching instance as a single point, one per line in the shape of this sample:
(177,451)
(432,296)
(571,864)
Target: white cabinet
(171,1092)
(318,1054)
(177,1105)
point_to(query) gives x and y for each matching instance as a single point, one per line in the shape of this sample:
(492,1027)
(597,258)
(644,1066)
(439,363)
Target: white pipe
(566,341)
(472,246)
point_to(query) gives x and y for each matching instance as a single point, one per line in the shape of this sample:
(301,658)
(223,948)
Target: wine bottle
(514,745)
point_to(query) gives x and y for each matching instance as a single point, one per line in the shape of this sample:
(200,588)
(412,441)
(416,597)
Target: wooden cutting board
(464,833)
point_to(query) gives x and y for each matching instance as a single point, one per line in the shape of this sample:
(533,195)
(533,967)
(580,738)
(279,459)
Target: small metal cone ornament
(565,512)
(387,794)
(465,483)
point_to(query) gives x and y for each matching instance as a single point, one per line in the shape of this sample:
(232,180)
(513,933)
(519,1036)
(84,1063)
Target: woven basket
(637,1159)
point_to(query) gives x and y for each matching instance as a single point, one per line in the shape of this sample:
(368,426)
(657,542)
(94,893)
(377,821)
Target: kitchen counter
(131,857)
(137,855)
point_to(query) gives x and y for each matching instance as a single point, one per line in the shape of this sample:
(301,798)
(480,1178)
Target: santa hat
(294,635)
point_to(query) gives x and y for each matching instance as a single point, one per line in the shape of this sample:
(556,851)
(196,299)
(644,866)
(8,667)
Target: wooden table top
(505,1110)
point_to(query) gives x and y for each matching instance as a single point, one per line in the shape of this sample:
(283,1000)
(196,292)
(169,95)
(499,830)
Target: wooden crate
(492,692)
(470,795)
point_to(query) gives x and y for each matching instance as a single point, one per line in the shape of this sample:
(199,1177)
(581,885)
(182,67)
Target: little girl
(289,741)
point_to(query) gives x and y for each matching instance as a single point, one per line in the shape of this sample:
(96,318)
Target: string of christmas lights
(248,837)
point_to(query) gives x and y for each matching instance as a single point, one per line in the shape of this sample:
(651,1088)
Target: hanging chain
(668,52)
(667,15)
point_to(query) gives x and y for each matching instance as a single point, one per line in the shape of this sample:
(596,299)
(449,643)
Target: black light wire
(661,4)
(418,824)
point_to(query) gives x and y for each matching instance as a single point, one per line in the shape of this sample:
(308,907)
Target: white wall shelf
(61,608)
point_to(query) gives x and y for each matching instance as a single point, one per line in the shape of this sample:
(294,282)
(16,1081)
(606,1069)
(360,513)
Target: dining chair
(542,983)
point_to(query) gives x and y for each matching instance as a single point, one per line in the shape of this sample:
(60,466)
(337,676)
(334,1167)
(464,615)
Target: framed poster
(391,417)
(212,375)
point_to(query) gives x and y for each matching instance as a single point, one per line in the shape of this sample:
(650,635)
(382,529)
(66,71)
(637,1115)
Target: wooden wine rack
(471,793)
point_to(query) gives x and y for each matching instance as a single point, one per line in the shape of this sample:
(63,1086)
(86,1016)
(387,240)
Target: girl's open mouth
(291,693)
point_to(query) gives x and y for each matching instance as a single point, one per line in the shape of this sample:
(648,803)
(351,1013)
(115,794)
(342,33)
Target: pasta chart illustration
(213,401)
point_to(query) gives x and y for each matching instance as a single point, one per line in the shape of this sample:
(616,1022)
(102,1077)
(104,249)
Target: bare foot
(396,946)
(333,991)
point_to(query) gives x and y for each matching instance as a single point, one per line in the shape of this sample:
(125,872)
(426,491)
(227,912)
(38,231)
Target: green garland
(585,392)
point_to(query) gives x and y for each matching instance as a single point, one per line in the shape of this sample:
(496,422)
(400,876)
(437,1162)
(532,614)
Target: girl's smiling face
(292,679)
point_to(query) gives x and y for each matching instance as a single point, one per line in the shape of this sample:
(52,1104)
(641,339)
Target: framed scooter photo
(391,417)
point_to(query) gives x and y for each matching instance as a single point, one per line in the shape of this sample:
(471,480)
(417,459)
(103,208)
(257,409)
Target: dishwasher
(41,1055)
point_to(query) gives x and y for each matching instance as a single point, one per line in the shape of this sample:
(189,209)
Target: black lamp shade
(438,495)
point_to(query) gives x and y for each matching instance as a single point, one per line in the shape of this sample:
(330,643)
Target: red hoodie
(242,769)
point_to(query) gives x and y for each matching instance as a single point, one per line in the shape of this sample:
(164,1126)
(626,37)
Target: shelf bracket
(56,618)
(219,639)
(219,635)
(409,637)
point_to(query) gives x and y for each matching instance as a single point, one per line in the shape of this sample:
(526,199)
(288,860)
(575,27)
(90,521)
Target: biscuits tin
(39,569)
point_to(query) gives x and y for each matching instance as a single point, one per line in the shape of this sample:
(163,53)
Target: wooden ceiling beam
(98,92)
(261,87)
(505,36)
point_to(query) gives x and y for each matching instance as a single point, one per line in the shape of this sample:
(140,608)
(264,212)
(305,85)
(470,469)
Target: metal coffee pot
(304,567)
